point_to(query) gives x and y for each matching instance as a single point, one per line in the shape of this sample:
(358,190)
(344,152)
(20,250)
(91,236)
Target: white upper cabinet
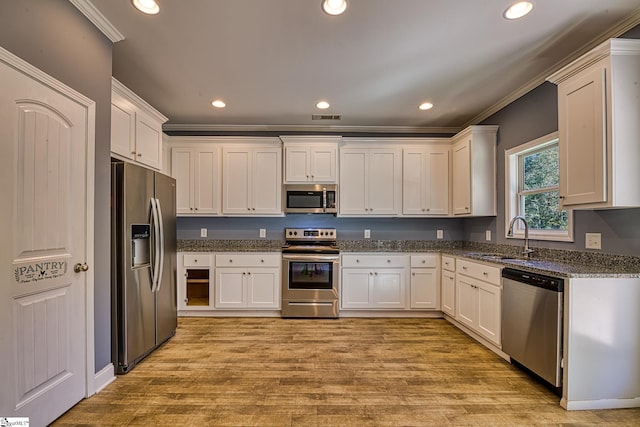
(474,171)
(598,127)
(252,178)
(196,166)
(370,180)
(311,159)
(425,179)
(136,128)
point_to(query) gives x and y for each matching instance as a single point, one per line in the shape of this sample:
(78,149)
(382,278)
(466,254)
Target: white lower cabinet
(195,281)
(478,298)
(449,285)
(247,281)
(374,281)
(424,283)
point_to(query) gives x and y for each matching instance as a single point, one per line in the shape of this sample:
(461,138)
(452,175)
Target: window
(532,191)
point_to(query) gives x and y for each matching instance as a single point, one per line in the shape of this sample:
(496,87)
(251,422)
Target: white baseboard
(582,405)
(103,378)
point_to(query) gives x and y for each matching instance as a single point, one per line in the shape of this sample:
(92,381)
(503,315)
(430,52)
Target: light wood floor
(360,372)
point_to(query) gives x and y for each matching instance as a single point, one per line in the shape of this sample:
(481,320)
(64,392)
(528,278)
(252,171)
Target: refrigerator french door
(144,312)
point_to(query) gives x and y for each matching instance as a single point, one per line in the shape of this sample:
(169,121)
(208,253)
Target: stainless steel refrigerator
(143,262)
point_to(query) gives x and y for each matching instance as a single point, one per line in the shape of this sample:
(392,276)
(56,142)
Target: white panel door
(230,288)
(437,191)
(489,311)
(47,145)
(449,293)
(414,181)
(388,288)
(182,165)
(322,163)
(424,288)
(385,181)
(583,143)
(148,141)
(466,301)
(297,164)
(353,182)
(356,288)
(206,181)
(236,181)
(266,181)
(263,285)
(461,184)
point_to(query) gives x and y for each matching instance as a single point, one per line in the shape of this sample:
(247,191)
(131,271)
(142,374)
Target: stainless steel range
(310,272)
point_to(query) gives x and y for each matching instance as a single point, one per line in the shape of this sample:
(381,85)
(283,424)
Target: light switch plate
(593,241)
(367,234)
(203,232)
(487,235)
(263,232)
(439,234)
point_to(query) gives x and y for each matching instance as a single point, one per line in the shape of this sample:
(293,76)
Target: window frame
(514,160)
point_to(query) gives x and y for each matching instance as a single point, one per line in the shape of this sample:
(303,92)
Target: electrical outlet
(263,232)
(592,241)
(203,232)
(367,234)
(439,234)
(487,235)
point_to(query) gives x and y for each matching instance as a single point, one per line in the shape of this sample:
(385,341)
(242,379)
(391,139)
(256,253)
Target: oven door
(310,276)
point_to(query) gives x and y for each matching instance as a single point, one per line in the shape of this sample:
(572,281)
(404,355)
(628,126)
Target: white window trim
(511,193)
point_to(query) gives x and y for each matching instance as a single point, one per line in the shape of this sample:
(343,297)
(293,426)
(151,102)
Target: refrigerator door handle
(156,241)
(160,246)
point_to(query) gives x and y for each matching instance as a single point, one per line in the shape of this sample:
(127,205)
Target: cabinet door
(466,301)
(148,141)
(489,311)
(414,181)
(123,121)
(353,178)
(263,286)
(236,179)
(461,184)
(437,179)
(424,288)
(356,292)
(388,288)
(182,163)
(384,182)
(266,181)
(230,288)
(322,164)
(449,293)
(297,164)
(582,138)
(205,181)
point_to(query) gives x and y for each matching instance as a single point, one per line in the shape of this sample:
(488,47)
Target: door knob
(80,267)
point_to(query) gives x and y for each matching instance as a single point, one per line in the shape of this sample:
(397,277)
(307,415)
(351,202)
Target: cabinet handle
(464,268)
(139,155)
(133,152)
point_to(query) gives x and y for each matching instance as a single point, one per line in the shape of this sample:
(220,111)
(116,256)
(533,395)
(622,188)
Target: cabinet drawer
(448,263)
(249,260)
(374,261)
(424,261)
(479,271)
(196,260)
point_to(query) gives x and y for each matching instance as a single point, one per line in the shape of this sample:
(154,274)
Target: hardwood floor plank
(327,372)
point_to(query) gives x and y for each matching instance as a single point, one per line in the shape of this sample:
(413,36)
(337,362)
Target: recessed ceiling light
(218,103)
(426,106)
(518,10)
(150,7)
(334,7)
(323,105)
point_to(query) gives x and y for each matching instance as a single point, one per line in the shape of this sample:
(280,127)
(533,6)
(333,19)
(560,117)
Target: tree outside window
(532,187)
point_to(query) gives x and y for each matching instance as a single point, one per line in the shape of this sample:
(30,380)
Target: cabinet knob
(376,273)
(186,300)
(371,273)
(133,152)
(261,260)
(230,260)
(388,260)
(249,273)
(248,209)
(413,274)
(195,260)
(424,261)
(484,273)
(357,260)
(253,209)
(196,208)
(139,155)
(428,209)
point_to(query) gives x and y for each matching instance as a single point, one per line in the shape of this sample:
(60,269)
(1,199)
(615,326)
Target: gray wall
(348,228)
(55,37)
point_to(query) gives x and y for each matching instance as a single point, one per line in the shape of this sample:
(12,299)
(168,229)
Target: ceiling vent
(326,117)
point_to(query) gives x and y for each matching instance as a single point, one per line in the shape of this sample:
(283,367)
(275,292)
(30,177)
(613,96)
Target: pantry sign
(43,270)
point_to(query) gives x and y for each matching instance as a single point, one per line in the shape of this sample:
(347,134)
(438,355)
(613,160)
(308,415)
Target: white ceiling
(272,60)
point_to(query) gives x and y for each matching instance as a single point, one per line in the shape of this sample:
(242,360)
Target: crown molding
(631,21)
(98,19)
(167,127)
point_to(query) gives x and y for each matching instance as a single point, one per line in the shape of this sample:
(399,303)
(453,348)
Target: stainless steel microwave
(311,198)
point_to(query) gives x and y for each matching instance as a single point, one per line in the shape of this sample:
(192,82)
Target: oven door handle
(310,257)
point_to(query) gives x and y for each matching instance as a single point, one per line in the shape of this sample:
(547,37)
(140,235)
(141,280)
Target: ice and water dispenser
(140,245)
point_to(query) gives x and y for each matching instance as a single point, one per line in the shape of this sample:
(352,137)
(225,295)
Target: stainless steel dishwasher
(532,322)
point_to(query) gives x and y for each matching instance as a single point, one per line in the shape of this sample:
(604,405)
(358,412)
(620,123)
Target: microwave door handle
(324,199)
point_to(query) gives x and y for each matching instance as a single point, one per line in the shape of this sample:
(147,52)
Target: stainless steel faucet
(526,251)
